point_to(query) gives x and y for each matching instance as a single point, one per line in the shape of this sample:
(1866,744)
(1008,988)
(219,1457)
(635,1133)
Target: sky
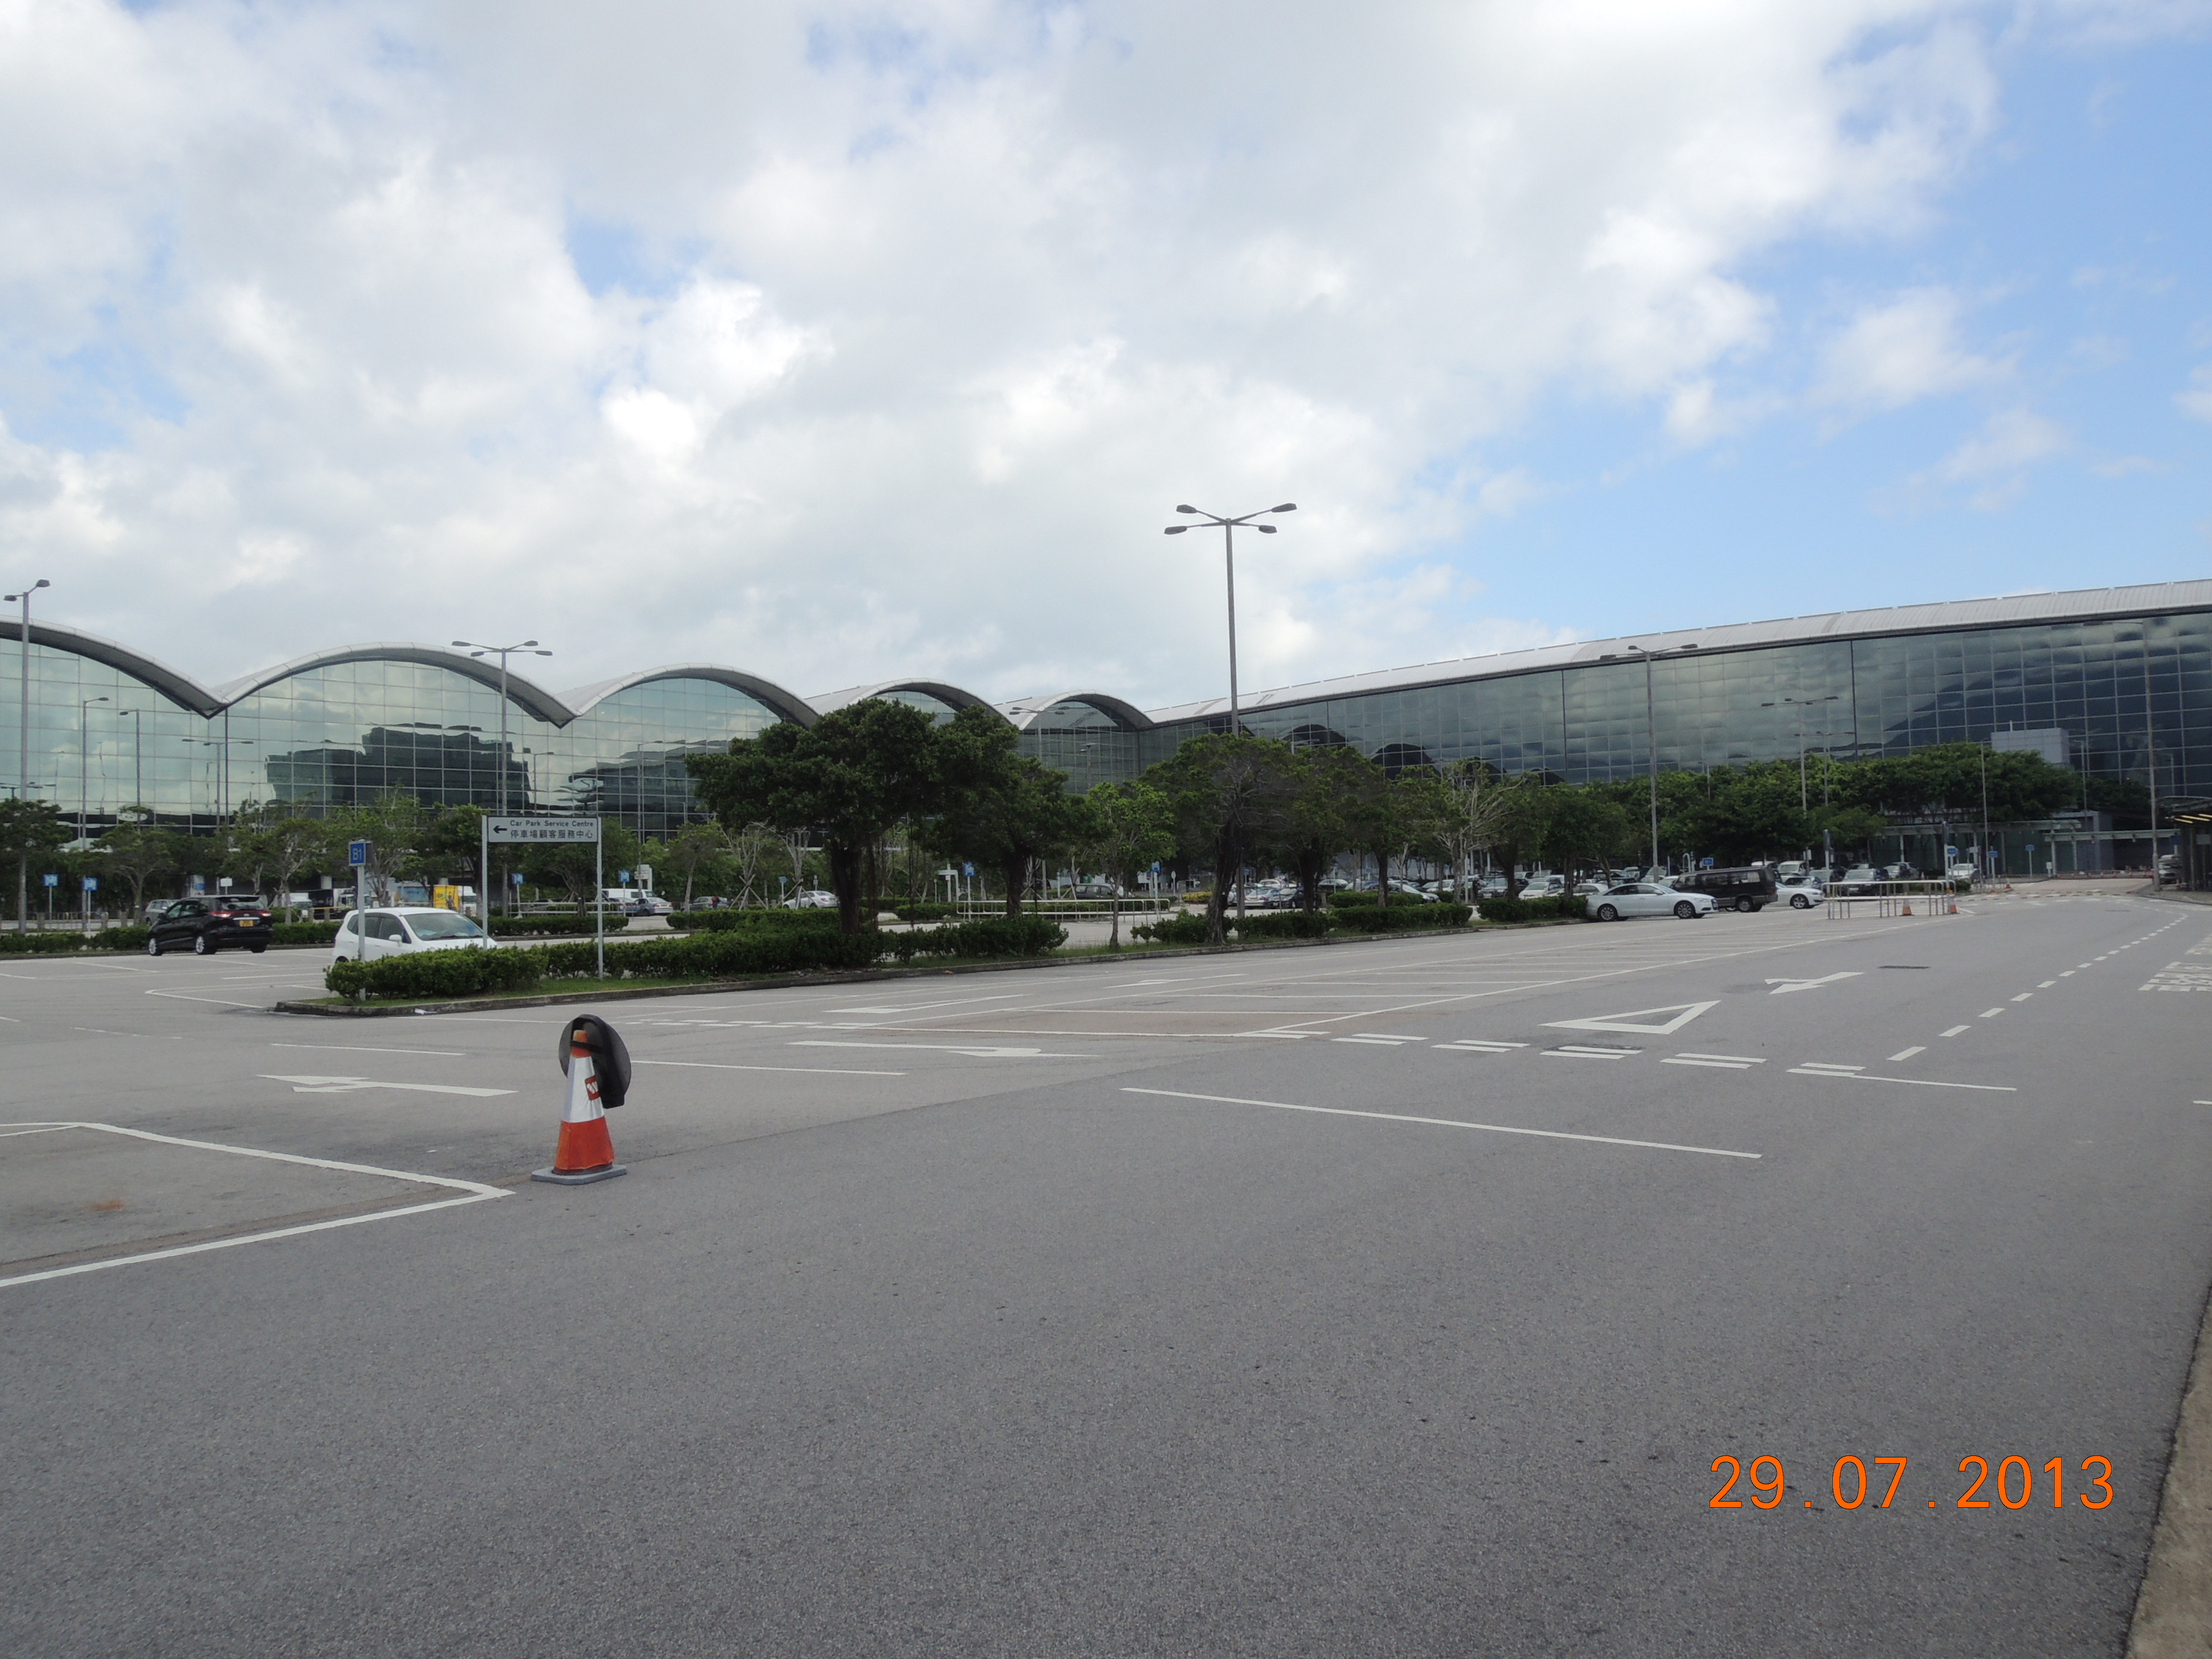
(847,341)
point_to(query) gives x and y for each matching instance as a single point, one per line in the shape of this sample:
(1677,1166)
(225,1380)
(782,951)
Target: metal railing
(1919,897)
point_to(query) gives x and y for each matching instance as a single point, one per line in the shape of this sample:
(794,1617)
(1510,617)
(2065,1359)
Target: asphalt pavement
(1402,1297)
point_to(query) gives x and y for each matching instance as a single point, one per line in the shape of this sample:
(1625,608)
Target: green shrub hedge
(1172,930)
(719,953)
(1279,924)
(437,975)
(121,939)
(568,923)
(925,910)
(994,935)
(48,945)
(1568,906)
(721,921)
(1401,918)
(295,932)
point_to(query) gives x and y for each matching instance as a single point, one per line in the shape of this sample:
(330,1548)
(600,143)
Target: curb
(863,976)
(2173,1605)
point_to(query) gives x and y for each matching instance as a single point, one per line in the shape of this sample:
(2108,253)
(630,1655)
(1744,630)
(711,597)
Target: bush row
(42,944)
(721,953)
(1401,918)
(992,936)
(1568,906)
(562,922)
(1308,924)
(722,921)
(437,975)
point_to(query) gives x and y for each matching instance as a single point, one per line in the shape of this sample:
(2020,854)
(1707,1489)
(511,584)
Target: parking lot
(1394,1296)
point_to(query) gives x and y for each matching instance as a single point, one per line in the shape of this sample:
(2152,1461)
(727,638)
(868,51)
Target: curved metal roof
(1124,714)
(2079,604)
(787,704)
(952,696)
(532,696)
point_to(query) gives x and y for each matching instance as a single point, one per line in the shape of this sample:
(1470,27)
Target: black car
(1749,889)
(204,926)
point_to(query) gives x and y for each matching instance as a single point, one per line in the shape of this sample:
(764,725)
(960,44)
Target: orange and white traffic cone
(585,1152)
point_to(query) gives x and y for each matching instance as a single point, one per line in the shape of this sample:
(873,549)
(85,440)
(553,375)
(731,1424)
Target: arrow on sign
(1783,986)
(1684,1012)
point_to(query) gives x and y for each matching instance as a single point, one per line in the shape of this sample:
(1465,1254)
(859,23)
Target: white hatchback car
(405,928)
(1645,898)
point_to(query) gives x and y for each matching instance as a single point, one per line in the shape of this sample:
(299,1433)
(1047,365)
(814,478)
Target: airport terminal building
(2115,681)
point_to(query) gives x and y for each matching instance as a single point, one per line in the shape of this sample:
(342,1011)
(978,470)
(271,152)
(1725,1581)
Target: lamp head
(460,645)
(1176,529)
(1265,529)
(1186,509)
(529,642)
(1287,506)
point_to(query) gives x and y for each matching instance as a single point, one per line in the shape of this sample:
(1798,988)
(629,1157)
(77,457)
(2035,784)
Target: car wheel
(153,946)
(202,945)
(256,948)
(1686,909)
(1799,902)
(1607,913)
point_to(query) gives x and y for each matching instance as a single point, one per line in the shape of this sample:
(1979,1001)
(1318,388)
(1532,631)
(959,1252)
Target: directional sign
(53,880)
(356,854)
(92,883)
(543,831)
(1633,1020)
(1783,986)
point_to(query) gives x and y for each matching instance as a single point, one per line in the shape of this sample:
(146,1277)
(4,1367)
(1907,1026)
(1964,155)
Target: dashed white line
(802,1070)
(1570,1051)
(1990,1013)
(1955,1029)
(2046,984)
(1907,1054)
(2023,996)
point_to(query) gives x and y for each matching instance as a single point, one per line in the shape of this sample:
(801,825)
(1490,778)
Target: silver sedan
(1645,898)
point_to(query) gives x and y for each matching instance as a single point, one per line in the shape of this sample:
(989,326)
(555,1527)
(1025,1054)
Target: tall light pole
(1802,704)
(503,652)
(84,757)
(2150,744)
(23,756)
(1651,734)
(1229,557)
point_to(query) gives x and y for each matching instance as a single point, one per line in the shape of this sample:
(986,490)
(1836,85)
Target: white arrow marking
(346,1085)
(1684,1012)
(1783,986)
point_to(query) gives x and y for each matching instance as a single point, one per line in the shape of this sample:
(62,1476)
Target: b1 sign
(543,831)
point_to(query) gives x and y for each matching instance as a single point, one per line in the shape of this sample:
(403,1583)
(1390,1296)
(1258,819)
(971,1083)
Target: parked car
(1098,890)
(403,929)
(1803,892)
(811,898)
(1646,898)
(1411,890)
(1749,889)
(646,906)
(1960,873)
(204,926)
(1858,881)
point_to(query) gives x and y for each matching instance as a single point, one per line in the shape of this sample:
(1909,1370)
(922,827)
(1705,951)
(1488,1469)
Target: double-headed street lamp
(84,759)
(1228,555)
(503,652)
(1802,704)
(23,754)
(1652,733)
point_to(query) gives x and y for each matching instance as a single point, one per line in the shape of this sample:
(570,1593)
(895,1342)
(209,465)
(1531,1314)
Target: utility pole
(23,758)
(2150,744)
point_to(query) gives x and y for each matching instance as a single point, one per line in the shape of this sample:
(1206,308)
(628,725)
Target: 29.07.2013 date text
(2015,1484)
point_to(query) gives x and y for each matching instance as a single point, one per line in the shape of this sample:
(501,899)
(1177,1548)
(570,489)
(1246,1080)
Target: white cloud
(1992,465)
(2197,399)
(928,308)
(1901,352)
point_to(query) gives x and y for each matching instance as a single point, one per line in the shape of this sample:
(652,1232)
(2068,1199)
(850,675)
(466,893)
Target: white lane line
(1907,1054)
(1826,1066)
(56,1129)
(1955,1029)
(225,1002)
(1571,1051)
(1742,1059)
(1717,1065)
(1376,1042)
(101,1030)
(1481,1045)
(349,1048)
(1390,1036)
(349,1085)
(472,1192)
(2046,984)
(802,1070)
(1989,1013)
(1917,1082)
(979,1052)
(2069,974)
(2023,996)
(1446,1123)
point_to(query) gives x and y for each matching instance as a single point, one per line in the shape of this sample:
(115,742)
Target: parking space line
(470,1192)
(1446,1122)
(352,1048)
(804,1071)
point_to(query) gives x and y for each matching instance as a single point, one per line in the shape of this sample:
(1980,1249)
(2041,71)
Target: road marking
(984,1052)
(1955,1029)
(472,1192)
(1448,1123)
(1574,1051)
(2023,996)
(101,1030)
(1854,1076)
(225,1002)
(804,1071)
(347,1085)
(1785,987)
(1718,1062)
(1990,1013)
(1391,1037)
(2069,974)
(2046,984)
(1825,1066)
(1684,1012)
(1907,1054)
(1481,1045)
(349,1049)
(56,1129)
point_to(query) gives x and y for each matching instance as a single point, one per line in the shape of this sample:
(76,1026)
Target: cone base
(580,1177)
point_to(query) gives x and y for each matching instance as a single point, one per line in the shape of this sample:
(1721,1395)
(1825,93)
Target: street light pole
(1802,704)
(84,757)
(503,652)
(1228,558)
(23,757)
(2150,744)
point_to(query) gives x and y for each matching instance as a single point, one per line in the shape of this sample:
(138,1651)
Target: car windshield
(443,924)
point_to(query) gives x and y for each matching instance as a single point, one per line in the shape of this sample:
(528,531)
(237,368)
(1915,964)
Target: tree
(1132,827)
(1414,815)
(1524,811)
(28,826)
(1477,806)
(278,839)
(998,807)
(136,851)
(697,845)
(1229,795)
(851,775)
(398,830)
(575,866)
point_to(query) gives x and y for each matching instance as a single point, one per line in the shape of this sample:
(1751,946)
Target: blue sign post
(357,858)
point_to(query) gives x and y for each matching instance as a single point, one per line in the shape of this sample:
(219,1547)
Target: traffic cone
(1908,911)
(584,1153)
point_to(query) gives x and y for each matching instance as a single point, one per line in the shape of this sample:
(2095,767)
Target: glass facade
(351,726)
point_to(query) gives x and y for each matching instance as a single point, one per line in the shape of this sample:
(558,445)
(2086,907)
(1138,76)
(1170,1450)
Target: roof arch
(951,696)
(785,705)
(531,696)
(1123,713)
(178,687)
